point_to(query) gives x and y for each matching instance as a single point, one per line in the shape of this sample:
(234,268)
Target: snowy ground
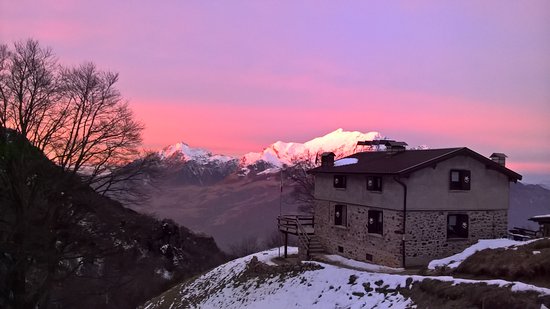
(329,287)
(340,260)
(454,260)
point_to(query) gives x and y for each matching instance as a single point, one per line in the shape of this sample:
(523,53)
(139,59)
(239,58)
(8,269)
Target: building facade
(403,208)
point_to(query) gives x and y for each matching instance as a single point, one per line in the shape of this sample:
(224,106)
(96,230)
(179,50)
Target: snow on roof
(454,261)
(541,216)
(346,161)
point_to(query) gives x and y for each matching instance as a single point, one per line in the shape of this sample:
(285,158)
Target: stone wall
(354,239)
(426,237)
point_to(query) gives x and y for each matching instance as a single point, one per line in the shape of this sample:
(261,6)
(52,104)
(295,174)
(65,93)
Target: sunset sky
(235,76)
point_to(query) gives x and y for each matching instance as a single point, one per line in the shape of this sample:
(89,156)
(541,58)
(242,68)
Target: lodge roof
(405,162)
(541,218)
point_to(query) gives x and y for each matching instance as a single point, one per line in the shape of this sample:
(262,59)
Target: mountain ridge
(276,154)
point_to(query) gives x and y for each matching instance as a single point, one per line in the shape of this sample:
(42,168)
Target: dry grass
(438,294)
(529,263)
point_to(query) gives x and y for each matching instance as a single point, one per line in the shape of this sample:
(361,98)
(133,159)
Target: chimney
(327,159)
(499,158)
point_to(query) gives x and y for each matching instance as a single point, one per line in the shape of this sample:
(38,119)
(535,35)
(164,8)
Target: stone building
(403,208)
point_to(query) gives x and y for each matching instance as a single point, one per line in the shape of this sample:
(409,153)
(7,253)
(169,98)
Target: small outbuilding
(544,224)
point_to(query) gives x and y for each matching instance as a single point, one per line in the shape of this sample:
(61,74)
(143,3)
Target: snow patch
(268,255)
(361,265)
(165,274)
(271,170)
(346,161)
(454,261)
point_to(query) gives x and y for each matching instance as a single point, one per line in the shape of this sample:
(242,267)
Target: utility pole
(280,205)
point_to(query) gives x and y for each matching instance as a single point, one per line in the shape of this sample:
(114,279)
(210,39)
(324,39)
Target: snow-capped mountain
(188,165)
(340,142)
(184,152)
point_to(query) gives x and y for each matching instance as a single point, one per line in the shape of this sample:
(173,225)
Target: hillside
(231,210)
(65,246)
(263,280)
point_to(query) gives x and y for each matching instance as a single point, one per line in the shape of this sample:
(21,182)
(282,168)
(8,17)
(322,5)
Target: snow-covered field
(331,286)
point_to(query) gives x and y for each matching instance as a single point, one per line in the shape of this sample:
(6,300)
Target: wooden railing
(518,233)
(303,236)
(299,225)
(292,223)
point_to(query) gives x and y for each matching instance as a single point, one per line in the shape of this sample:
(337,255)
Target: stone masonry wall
(357,243)
(426,237)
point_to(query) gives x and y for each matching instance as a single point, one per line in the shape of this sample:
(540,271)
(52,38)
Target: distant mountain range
(274,156)
(526,201)
(232,198)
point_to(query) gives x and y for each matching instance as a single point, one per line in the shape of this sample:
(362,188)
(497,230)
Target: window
(340,216)
(460,180)
(457,226)
(339,181)
(375,224)
(374,183)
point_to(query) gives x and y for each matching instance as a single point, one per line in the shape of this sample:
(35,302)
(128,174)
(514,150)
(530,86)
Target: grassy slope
(529,263)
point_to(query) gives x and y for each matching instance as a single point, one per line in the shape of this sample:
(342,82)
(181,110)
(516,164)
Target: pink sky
(234,77)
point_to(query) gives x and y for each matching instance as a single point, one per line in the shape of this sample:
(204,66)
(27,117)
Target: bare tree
(29,89)
(76,116)
(4,55)
(302,182)
(99,133)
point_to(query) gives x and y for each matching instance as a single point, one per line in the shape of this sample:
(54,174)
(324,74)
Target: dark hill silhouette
(64,246)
